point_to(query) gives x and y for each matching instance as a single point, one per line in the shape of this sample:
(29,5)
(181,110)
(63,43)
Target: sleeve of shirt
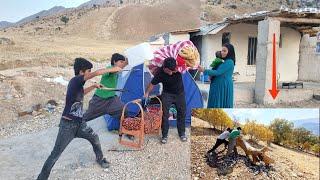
(156,79)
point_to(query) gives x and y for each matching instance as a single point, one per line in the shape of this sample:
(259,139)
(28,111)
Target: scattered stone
(2,78)
(202,174)
(294,175)
(16,96)
(300,174)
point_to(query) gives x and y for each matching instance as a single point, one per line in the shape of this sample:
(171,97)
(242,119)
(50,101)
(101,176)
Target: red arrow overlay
(274,91)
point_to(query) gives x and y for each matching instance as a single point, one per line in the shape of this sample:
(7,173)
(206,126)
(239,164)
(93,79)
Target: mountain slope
(90,4)
(127,22)
(4,24)
(141,21)
(44,13)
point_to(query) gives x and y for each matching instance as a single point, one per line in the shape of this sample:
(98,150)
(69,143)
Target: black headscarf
(231,54)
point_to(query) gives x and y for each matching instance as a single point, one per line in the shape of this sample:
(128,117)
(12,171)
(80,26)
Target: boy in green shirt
(104,101)
(232,140)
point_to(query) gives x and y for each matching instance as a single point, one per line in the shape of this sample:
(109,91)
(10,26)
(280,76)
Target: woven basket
(151,118)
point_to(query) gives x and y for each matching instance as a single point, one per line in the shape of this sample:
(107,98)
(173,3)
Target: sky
(15,10)
(265,116)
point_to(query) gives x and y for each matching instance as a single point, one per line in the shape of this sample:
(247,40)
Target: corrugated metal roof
(211,28)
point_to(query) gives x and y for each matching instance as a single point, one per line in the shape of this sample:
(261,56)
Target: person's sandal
(164,140)
(104,163)
(183,138)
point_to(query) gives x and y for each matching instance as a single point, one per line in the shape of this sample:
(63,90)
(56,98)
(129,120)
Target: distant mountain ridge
(41,14)
(44,13)
(4,24)
(311,124)
(96,2)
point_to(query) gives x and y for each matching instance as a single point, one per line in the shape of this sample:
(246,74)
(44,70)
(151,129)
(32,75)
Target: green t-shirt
(235,133)
(108,80)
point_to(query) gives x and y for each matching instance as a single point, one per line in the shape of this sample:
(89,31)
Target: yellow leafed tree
(258,131)
(216,117)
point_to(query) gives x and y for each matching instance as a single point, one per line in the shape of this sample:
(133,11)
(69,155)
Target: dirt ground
(23,156)
(54,51)
(288,164)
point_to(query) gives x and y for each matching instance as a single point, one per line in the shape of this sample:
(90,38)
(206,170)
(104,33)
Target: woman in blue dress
(221,86)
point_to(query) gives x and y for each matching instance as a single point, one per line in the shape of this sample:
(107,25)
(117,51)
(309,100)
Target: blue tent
(135,83)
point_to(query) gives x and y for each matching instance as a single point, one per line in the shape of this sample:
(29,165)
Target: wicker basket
(149,122)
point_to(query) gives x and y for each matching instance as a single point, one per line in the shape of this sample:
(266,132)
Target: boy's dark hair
(218,54)
(117,57)
(81,64)
(170,63)
(229,129)
(239,128)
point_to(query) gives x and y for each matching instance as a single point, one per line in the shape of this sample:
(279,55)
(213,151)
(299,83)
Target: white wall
(288,54)
(210,44)
(173,38)
(239,38)
(309,64)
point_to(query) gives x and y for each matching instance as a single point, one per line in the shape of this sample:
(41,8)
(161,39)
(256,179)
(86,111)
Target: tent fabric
(135,84)
(170,51)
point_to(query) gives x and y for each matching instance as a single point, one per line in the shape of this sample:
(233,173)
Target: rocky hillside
(129,21)
(139,19)
(216,10)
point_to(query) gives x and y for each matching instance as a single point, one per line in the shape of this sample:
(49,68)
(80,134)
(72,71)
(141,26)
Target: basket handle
(158,100)
(136,101)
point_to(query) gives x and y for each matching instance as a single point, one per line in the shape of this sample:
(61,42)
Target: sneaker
(164,140)
(183,138)
(104,163)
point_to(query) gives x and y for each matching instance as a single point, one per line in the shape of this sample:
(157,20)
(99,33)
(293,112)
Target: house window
(252,50)
(226,36)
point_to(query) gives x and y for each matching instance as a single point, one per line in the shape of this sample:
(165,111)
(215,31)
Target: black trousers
(179,101)
(99,106)
(68,130)
(218,143)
